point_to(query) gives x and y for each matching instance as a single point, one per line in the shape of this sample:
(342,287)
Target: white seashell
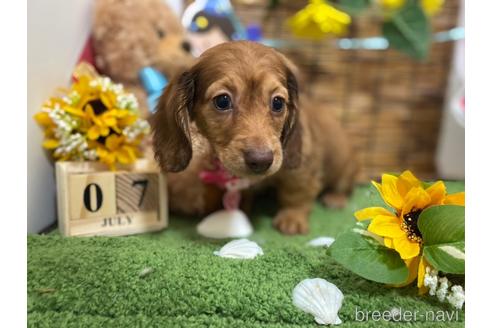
(320,298)
(225,224)
(322,241)
(240,249)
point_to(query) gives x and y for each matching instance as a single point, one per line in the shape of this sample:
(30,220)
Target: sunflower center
(409,225)
(98,106)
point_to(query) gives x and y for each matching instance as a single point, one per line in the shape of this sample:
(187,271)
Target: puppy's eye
(278,104)
(223,102)
(161,33)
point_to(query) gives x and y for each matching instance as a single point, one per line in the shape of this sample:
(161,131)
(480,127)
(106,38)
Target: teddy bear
(129,35)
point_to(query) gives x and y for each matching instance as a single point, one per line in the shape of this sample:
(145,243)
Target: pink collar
(233,185)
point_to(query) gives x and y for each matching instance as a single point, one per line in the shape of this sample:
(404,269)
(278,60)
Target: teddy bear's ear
(121,41)
(170,124)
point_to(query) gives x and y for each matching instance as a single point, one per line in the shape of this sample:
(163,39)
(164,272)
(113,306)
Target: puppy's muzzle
(258,160)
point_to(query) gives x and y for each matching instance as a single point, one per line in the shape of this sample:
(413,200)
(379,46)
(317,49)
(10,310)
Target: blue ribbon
(154,83)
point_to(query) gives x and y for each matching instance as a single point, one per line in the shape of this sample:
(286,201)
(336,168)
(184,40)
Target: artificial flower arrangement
(94,120)
(418,235)
(405,23)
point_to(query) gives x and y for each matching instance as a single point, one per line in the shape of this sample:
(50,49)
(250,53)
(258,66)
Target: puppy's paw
(291,222)
(334,200)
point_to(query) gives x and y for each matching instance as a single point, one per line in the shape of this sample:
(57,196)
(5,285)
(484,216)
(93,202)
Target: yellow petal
(421,275)
(407,181)
(102,153)
(110,161)
(90,111)
(422,265)
(390,191)
(388,242)
(110,158)
(43,119)
(131,153)
(122,157)
(437,193)
(93,132)
(455,199)
(74,111)
(386,226)
(109,120)
(51,143)
(106,100)
(120,113)
(128,120)
(417,198)
(406,248)
(431,7)
(378,187)
(113,142)
(104,130)
(98,121)
(391,4)
(116,129)
(371,212)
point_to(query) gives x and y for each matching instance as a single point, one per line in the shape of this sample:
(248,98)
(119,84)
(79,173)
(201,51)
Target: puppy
(240,104)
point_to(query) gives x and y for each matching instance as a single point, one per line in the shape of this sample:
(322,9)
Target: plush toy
(131,35)
(211,22)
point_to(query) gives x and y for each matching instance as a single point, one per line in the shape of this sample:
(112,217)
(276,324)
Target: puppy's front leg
(296,198)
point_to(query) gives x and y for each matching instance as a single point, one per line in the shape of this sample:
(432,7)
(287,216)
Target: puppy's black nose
(186,46)
(258,160)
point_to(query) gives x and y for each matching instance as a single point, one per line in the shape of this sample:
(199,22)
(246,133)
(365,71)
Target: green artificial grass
(96,282)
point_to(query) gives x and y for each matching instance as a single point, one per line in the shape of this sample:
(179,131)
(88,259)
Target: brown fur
(310,151)
(131,34)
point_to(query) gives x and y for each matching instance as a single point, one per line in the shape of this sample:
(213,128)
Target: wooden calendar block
(136,192)
(94,201)
(92,195)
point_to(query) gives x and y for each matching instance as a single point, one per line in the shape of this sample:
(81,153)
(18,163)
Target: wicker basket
(390,104)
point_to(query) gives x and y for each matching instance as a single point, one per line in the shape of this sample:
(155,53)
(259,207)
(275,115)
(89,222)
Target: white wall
(56,33)
(450,157)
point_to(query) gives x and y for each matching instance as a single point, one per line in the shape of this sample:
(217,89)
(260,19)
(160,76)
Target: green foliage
(366,256)
(442,224)
(443,232)
(449,258)
(353,7)
(408,30)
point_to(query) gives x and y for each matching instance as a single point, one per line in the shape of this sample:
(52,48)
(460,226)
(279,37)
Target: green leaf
(362,253)
(443,233)
(442,224)
(409,31)
(273,4)
(353,7)
(449,258)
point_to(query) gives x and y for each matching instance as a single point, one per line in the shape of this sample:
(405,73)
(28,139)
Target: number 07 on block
(94,201)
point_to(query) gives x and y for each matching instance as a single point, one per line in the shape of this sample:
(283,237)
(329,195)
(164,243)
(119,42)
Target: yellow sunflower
(117,150)
(94,119)
(102,123)
(408,197)
(391,4)
(43,119)
(318,20)
(431,7)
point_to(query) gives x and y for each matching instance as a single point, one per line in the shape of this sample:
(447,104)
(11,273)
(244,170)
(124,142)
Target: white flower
(430,280)
(127,100)
(457,297)
(136,129)
(443,289)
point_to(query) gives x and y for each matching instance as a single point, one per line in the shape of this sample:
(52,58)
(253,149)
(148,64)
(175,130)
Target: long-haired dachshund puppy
(240,104)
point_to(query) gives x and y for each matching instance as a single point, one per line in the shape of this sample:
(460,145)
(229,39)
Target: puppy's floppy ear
(292,130)
(170,124)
